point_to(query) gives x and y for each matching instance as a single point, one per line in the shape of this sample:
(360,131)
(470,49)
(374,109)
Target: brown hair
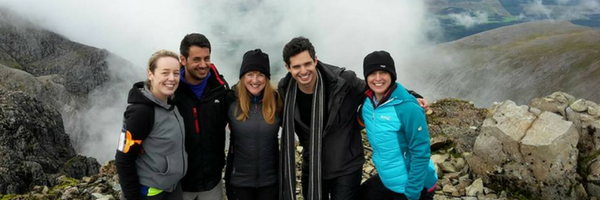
(155,56)
(272,103)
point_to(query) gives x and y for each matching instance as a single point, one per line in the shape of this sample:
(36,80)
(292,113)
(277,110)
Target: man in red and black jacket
(200,99)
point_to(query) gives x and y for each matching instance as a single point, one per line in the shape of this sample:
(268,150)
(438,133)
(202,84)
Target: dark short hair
(296,46)
(193,39)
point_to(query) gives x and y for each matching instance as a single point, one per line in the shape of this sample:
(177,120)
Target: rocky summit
(548,149)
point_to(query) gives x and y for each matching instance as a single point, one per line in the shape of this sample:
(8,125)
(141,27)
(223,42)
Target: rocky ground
(548,149)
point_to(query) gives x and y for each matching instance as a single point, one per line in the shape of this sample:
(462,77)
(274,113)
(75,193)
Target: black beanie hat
(255,60)
(379,60)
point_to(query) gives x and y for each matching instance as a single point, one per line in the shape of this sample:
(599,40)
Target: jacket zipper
(257,137)
(196,120)
(182,142)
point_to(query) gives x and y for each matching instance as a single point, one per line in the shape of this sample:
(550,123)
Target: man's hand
(423,104)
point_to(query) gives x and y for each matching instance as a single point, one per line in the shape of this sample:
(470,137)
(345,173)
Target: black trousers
(248,193)
(373,189)
(341,188)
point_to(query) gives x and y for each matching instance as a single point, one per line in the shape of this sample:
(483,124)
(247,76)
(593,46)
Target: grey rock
(535,111)
(522,149)
(448,167)
(69,193)
(487,191)
(439,158)
(594,172)
(459,163)
(437,142)
(476,188)
(550,146)
(34,146)
(594,110)
(579,106)
(100,196)
(593,190)
(556,102)
(579,192)
(80,166)
(449,189)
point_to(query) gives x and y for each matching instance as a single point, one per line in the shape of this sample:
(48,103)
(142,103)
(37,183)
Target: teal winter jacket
(397,131)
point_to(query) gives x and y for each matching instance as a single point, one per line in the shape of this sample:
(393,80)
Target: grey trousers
(214,194)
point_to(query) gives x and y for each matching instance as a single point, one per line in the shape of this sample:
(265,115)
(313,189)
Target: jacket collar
(371,95)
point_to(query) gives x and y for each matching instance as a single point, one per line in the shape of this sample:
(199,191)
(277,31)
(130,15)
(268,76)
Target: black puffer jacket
(205,120)
(253,155)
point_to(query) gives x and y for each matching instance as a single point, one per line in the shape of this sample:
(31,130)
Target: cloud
(565,10)
(342,31)
(537,8)
(469,20)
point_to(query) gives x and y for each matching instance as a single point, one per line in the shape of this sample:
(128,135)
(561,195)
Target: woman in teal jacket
(397,130)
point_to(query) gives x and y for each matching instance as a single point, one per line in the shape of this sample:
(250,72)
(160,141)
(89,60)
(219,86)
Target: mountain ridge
(516,62)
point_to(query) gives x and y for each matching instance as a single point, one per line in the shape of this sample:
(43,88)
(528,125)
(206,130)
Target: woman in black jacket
(255,117)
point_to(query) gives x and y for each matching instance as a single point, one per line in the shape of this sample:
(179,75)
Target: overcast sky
(342,31)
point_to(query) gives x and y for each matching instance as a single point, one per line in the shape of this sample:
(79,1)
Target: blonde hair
(155,56)
(272,103)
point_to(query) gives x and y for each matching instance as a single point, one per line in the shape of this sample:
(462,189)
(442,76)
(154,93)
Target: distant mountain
(56,70)
(37,51)
(516,62)
(444,7)
(461,18)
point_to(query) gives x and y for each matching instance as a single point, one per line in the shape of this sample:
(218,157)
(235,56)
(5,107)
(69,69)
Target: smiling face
(379,81)
(165,78)
(304,69)
(255,82)
(197,64)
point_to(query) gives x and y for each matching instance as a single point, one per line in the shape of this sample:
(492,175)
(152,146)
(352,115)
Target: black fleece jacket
(205,121)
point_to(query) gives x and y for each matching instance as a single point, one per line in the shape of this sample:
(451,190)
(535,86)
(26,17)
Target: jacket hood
(140,94)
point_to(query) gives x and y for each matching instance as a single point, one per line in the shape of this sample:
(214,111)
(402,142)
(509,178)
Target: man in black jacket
(200,99)
(320,107)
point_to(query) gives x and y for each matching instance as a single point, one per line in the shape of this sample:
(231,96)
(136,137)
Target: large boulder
(33,145)
(527,150)
(586,119)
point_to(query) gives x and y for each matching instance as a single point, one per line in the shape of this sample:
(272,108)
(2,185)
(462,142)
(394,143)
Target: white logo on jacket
(386,118)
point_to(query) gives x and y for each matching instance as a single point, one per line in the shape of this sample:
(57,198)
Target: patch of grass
(520,195)
(67,182)
(584,162)
(508,19)
(512,191)
(505,20)
(11,64)
(7,197)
